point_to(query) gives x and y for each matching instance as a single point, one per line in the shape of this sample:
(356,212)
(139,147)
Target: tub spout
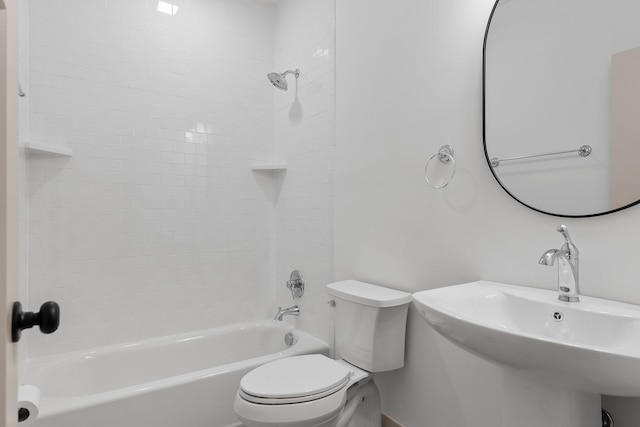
(289,311)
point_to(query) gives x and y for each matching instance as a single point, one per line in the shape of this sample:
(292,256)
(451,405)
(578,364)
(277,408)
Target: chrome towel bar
(583,151)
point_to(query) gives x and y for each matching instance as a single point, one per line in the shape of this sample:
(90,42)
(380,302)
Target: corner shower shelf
(47,148)
(269,166)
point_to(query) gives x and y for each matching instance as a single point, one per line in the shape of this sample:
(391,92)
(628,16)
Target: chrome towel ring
(445,156)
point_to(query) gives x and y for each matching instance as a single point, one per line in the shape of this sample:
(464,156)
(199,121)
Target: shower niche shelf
(47,148)
(269,166)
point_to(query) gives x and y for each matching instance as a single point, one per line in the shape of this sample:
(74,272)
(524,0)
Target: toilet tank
(369,324)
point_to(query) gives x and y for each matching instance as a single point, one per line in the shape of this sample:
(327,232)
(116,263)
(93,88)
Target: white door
(8,208)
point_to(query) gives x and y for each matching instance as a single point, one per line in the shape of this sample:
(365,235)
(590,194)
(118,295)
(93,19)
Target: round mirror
(561,103)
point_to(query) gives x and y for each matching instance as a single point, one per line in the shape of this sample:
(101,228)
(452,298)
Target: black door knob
(48,319)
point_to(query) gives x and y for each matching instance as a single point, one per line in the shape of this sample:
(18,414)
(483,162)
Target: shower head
(280,80)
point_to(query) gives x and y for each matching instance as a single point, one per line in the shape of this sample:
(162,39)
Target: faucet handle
(563,229)
(570,248)
(296,284)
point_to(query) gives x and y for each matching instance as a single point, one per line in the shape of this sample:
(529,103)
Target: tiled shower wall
(156,224)
(305,137)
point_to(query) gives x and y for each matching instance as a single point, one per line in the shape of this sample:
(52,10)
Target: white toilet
(315,391)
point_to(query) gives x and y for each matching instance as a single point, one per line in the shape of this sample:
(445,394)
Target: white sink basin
(591,346)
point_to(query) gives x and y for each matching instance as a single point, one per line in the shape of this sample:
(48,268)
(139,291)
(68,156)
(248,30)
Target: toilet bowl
(316,391)
(309,390)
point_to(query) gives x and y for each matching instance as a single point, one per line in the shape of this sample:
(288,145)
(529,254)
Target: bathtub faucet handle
(296,284)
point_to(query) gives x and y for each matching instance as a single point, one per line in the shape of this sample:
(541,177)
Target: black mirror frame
(484,137)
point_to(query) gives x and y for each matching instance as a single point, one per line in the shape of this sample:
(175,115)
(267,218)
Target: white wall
(408,81)
(156,224)
(305,138)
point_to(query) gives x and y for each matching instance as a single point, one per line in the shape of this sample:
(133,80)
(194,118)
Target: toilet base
(362,408)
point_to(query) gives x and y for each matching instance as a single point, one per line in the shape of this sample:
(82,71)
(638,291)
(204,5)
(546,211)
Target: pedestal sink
(576,350)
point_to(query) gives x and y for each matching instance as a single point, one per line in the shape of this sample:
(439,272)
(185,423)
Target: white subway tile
(158,205)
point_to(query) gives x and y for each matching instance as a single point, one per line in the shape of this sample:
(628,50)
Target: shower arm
(296,73)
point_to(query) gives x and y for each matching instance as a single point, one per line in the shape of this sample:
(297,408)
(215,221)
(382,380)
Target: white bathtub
(186,380)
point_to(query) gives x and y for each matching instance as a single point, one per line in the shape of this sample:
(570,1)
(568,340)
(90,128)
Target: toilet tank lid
(368,294)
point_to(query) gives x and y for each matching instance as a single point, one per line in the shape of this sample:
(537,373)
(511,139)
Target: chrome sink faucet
(567,255)
(289,311)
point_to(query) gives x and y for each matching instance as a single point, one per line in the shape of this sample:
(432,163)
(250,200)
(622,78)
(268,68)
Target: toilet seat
(298,391)
(294,380)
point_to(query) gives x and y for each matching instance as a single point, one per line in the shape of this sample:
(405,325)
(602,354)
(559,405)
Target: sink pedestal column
(530,403)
